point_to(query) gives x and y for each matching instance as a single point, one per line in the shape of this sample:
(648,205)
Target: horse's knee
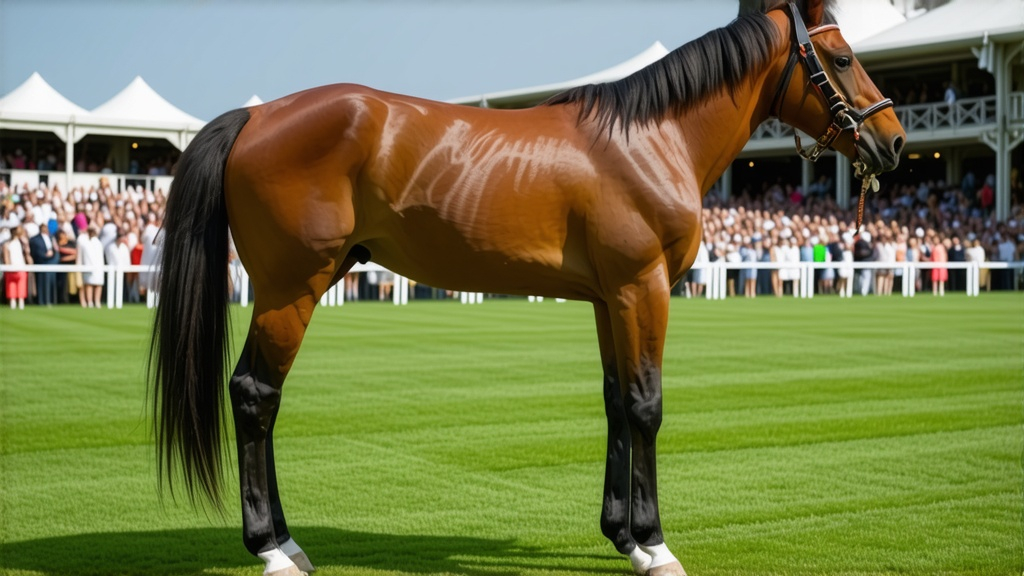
(643,410)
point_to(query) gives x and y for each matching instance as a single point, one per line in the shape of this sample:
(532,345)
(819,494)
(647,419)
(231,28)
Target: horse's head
(824,91)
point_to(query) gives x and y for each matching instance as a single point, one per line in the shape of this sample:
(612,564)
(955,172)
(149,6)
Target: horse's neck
(718,130)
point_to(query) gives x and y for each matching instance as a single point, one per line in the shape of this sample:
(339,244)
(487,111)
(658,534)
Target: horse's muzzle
(880,154)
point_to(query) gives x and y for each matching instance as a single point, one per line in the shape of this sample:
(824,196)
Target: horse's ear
(814,13)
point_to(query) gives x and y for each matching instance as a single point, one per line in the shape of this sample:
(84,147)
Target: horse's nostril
(897,146)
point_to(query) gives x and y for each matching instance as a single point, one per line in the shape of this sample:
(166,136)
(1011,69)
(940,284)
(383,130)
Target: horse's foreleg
(639,320)
(616,503)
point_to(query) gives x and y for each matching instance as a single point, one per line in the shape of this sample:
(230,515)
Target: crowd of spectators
(932,221)
(86,227)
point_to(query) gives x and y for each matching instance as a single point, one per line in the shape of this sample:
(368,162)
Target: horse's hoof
(302,561)
(670,569)
(289,571)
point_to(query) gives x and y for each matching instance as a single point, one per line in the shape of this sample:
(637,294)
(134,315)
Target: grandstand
(965,141)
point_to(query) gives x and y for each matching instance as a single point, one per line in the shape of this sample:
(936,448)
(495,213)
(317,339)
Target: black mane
(685,77)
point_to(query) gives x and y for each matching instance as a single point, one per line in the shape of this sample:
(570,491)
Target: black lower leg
(276,511)
(254,401)
(615,508)
(643,408)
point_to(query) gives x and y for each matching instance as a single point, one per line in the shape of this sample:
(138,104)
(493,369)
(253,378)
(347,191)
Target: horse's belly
(497,260)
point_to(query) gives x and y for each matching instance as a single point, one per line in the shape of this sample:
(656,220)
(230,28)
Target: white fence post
(118,288)
(110,285)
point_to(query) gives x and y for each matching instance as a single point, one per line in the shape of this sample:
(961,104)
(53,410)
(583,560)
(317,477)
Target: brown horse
(594,195)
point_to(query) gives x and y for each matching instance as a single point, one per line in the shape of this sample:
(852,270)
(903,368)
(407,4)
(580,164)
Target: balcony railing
(965,113)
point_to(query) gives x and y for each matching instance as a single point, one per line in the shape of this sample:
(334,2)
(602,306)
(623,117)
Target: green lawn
(863,436)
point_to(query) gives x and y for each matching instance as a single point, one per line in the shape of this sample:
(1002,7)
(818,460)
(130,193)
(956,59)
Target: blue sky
(208,56)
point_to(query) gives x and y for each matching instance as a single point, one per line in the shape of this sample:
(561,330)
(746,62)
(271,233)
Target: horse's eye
(843,62)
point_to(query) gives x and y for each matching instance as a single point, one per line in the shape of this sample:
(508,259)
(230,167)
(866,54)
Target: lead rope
(868,181)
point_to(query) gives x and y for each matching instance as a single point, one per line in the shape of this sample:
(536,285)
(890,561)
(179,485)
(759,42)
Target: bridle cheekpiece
(844,116)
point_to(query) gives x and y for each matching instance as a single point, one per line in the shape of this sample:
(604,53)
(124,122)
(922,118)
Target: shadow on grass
(209,550)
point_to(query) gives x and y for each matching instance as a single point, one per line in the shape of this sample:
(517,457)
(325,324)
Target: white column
(118,288)
(711,275)
(69,155)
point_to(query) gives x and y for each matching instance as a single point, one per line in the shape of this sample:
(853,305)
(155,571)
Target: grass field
(863,436)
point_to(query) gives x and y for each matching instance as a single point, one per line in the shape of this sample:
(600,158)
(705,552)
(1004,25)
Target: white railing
(85,180)
(964,113)
(715,277)
(715,274)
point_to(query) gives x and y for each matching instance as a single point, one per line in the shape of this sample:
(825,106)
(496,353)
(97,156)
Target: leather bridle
(844,116)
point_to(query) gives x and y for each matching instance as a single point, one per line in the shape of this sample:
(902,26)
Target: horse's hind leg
(275,333)
(279,322)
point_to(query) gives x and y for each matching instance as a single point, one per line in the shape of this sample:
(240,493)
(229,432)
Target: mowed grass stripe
(863,436)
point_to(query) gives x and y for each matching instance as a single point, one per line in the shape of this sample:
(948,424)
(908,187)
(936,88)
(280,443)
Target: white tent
(37,106)
(139,103)
(253,101)
(139,111)
(135,112)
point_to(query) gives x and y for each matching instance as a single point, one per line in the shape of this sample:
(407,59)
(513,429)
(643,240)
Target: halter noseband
(844,116)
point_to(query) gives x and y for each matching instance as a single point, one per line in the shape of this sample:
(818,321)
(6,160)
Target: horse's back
(434,190)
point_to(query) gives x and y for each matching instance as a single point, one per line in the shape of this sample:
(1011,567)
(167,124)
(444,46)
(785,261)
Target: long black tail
(188,353)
